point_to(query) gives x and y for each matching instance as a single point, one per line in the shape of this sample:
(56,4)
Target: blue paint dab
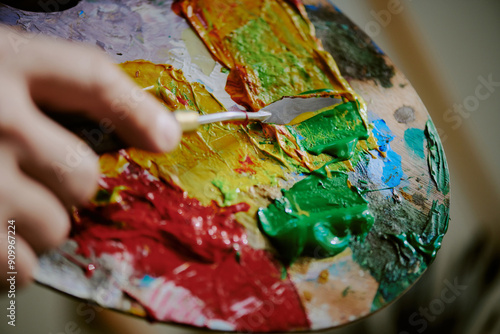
(392,172)
(146,281)
(414,141)
(383,134)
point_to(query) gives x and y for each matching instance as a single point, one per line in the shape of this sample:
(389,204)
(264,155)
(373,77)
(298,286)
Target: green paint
(278,68)
(335,132)
(354,52)
(394,266)
(227,191)
(318,216)
(317,91)
(437,159)
(401,244)
(103,197)
(429,242)
(414,141)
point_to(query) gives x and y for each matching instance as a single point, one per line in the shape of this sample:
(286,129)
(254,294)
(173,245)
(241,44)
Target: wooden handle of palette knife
(188,120)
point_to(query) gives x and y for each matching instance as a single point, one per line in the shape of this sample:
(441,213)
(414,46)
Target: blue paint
(146,281)
(414,141)
(383,134)
(392,171)
(311,7)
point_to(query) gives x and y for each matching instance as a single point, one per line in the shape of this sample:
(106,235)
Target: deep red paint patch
(164,229)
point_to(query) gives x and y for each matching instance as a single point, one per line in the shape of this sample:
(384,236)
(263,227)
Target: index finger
(71,77)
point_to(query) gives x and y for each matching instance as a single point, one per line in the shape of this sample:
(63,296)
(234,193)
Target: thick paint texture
(437,159)
(429,242)
(335,132)
(269,47)
(284,58)
(201,248)
(222,161)
(316,217)
(232,170)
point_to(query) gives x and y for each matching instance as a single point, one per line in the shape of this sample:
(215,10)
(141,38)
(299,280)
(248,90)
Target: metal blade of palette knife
(285,110)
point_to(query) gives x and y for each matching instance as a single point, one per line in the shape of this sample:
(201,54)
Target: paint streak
(318,216)
(392,264)
(392,171)
(436,159)
(207,251)
(414,141)
(283,59)
(355,53)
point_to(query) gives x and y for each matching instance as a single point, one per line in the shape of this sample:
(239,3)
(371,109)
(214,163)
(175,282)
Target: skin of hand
(45,169)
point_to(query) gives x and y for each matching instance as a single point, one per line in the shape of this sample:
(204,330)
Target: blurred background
(450,51)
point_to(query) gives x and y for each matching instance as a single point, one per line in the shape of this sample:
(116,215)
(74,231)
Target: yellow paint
(215,151)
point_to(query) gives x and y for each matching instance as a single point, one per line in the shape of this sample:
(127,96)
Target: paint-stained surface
(200,252)
(353,198)
(268,46)
(355,53)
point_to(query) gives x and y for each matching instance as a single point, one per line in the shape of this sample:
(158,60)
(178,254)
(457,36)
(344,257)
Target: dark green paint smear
(436,159)
(402,243)
(429,242)
(318,216)
(353,51)
(335,132)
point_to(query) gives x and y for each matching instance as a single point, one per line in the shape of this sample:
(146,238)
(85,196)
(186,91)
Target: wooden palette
(405,180)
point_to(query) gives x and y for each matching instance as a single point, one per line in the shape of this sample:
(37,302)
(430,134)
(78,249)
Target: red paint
(163,229)
(88,268)
(246,166)
(183,101)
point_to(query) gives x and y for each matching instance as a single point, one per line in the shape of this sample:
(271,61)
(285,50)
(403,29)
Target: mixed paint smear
(199,251)
(404,250)
(217,180)
(269,47)
(213,205)
(354,52)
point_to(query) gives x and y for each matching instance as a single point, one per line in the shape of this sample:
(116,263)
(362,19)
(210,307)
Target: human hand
(45,168)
